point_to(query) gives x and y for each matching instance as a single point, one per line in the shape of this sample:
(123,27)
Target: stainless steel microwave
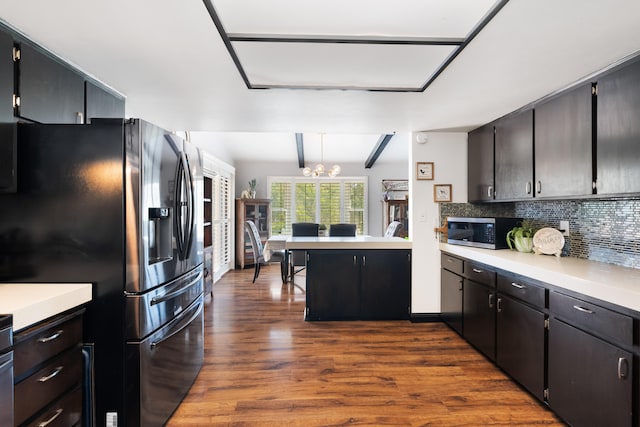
(488,233)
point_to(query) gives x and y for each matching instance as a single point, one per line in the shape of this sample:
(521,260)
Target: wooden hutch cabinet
(397,210)
(258,211)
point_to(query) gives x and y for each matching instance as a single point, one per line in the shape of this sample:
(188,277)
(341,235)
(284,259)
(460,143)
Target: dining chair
(394,229)
(298,258)
(342,230)
(258,252)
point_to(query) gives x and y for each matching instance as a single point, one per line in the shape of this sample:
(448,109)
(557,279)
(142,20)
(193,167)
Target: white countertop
(358,242)
(30,303)
(608,282)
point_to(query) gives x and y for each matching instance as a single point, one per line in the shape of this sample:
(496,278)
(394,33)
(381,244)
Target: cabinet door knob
(582,309)
(527,188)
(499,307)
(490,300)
(539,187)
(51,375)
(623,368)
(490,192)
(51,419)
(51,337)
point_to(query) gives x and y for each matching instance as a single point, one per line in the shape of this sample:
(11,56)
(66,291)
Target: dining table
(274,244)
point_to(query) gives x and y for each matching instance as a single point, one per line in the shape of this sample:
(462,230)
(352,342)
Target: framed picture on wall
(424,170)
(442,193)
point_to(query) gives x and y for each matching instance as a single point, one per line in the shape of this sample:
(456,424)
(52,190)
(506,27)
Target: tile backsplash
(600,230)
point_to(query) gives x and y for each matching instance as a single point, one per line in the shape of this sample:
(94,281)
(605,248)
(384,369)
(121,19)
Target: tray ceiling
(393,47)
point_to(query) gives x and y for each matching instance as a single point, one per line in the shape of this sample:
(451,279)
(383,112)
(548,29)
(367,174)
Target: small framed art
(424,170)
(442,193)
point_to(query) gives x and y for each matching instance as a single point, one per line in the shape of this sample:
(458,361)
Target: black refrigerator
(115,203)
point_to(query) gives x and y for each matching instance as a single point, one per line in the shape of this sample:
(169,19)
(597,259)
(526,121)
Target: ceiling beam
(294,38)
(378,149)
(300,145)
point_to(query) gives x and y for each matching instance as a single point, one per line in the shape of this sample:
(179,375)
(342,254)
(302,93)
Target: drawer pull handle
(516,285)
(449,260)
(52,419)
(582,309)
(623,368)
(55,335)
(51,375)
(477,270)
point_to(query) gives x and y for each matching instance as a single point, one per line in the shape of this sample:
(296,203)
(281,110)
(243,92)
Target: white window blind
(321,200)
(222,176)
(221,225)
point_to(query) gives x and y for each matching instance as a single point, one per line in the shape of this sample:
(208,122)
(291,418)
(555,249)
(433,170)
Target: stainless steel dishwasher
(6,371)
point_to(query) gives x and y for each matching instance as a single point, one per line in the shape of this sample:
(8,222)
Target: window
(321,200)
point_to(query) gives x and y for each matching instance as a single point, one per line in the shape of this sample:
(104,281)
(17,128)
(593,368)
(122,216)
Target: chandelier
(319,169)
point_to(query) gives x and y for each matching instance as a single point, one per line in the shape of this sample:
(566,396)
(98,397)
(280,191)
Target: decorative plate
(548,241)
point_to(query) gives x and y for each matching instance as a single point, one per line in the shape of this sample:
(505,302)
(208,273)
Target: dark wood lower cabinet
(386,285)
(451,300)
(333,286)
(358,284)
(590,380)
(576,353)
(520,343)
(479,317)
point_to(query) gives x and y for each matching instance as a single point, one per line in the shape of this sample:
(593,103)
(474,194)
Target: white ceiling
(168,58)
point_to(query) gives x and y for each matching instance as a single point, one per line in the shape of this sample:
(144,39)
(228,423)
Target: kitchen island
(356,278)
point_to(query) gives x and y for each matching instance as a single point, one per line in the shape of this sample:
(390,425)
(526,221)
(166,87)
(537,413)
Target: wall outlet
(564,228)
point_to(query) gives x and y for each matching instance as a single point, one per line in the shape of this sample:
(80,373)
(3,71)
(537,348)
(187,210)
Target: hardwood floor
(265,366)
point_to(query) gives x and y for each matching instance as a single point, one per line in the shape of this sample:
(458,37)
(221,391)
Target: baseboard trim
(425,317)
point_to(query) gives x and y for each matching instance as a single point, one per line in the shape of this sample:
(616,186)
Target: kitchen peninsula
(352,278)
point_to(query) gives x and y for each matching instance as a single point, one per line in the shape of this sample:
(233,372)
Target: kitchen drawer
(522,290)
(40,389)
(480,273)
(452,264)
(65,412)
(35,345)
(592,318)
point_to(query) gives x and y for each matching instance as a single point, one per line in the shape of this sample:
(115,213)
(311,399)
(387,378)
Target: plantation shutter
(354,203)
(320,200)
(330,206)
(281,202)
(305,202)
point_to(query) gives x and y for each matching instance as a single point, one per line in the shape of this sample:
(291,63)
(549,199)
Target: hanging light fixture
(319,169)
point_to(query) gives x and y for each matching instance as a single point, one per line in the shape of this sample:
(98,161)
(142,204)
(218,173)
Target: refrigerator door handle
(182,185)
(179,327)
(171,295)
(190,206)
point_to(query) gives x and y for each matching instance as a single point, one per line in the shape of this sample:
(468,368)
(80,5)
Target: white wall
(448,152)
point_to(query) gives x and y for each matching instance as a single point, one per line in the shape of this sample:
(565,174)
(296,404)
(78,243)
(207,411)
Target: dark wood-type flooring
(265,366)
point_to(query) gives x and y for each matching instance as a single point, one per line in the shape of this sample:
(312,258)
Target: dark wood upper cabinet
(618,129)
(514,156)
(8,182)
(563,144)
(480,160)
(100,103)
(6,78)
(49,91)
